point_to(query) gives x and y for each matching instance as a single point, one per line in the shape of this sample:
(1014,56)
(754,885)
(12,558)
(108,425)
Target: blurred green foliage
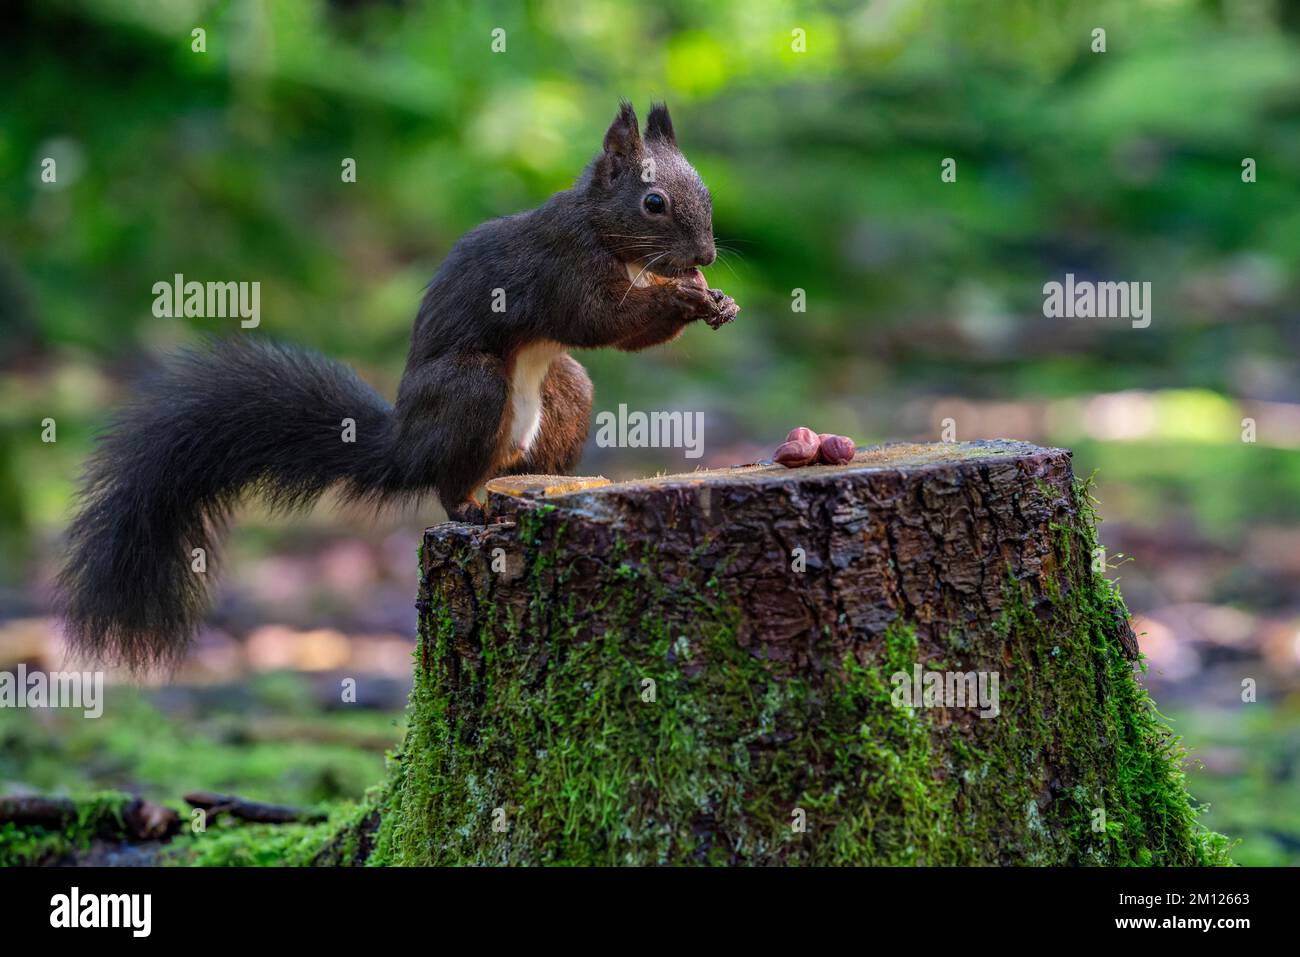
(824,167)
(1256,799)
(266,740)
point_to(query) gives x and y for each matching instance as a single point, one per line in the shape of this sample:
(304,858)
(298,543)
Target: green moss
(29,846)
(255,845)
(225,843)
(550,748)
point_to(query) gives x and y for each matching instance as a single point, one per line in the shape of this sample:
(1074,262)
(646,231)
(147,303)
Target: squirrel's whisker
(632,284)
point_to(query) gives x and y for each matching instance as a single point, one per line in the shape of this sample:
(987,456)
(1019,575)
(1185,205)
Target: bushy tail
(233,416)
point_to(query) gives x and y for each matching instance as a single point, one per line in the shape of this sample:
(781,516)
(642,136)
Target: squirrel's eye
(655,204)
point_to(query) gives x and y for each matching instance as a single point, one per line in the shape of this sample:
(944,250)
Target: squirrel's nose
(706,255)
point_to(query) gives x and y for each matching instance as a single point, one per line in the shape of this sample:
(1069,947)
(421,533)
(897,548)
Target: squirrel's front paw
(714,306)
(693,302)
(724,307)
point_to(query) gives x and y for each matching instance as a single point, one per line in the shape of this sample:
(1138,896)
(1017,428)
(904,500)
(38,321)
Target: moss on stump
(701,668)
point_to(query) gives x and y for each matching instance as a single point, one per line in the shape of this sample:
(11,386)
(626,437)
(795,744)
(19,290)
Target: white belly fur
(531,364)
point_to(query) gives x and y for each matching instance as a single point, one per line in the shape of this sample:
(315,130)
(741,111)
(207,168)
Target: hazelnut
(836,449)
(797,452)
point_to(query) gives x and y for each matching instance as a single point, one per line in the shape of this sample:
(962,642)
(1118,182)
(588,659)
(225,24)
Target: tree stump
(739,666)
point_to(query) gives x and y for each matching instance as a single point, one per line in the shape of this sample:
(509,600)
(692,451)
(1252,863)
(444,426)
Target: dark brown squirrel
(489,389)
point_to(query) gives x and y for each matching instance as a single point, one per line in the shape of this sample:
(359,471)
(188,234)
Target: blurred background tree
(924,298)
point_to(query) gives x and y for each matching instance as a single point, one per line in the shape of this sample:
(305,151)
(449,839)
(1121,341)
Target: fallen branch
(48,812)
(254,811)
(135,819)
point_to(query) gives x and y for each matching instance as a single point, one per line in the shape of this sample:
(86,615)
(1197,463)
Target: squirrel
(489,389)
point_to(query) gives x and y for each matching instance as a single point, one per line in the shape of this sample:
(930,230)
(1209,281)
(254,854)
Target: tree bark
(732,666)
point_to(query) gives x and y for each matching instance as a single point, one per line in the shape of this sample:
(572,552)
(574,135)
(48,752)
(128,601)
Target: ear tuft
(659,125)
(622,139)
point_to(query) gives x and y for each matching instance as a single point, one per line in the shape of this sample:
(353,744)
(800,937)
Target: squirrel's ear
(622,140)
(659,125)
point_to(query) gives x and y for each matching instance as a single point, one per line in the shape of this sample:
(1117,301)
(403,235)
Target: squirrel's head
(652,208)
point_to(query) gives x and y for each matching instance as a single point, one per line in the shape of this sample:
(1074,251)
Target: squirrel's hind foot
(470,512)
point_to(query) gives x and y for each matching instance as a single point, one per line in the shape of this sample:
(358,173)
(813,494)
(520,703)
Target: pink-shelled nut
(836,449)
(796,452)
